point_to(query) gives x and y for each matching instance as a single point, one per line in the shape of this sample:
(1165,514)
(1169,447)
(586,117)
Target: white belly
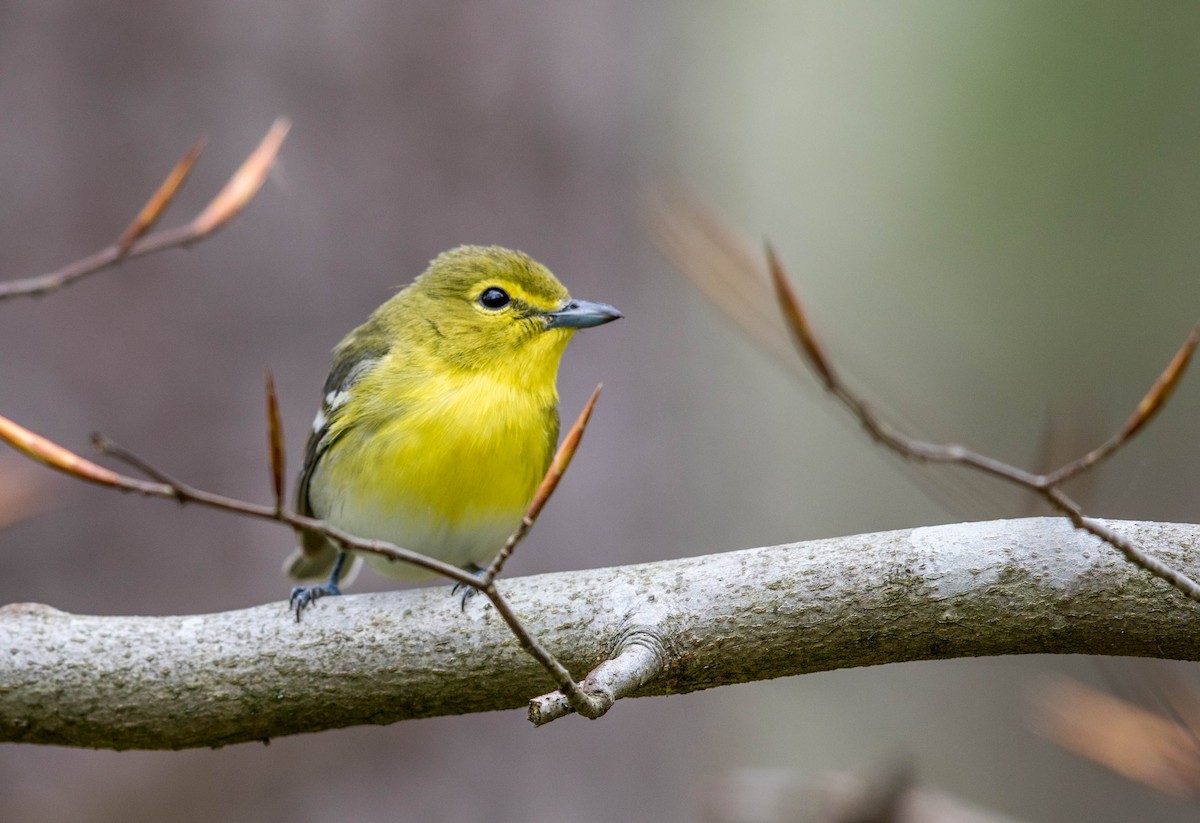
(421,532)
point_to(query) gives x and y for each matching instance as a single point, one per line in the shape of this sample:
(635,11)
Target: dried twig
(558,467)
(158,202)
(733,275)
(702,244)
(161,485)
(581,701)
(1149,407)
(1045,485)
(134,240)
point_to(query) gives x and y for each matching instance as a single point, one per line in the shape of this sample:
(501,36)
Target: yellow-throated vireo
(440,416)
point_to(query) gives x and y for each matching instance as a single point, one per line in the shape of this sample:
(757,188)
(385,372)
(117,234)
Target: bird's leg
(303,596)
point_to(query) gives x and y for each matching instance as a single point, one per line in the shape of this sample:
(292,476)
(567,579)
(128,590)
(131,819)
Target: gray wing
(313,559)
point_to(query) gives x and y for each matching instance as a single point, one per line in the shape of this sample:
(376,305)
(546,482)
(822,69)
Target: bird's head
(490,307)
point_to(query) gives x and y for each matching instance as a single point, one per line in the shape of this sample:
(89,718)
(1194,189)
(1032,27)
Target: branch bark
(1003,587)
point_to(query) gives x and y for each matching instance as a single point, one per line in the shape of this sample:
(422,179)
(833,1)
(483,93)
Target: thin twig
(57,457)
(133,242)
(1131,552)
(578,699)
(161,485)
(486,583)
(107,447)
(701,243)
(730,271)
(558,467)
(1046,485)
(1150,405)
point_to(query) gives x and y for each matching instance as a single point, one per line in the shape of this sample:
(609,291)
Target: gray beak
(581,314)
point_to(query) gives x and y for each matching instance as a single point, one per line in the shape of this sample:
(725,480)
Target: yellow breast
(445,465)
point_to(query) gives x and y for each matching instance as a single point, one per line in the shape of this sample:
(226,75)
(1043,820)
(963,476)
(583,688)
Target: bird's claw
(468,591)
(304,596)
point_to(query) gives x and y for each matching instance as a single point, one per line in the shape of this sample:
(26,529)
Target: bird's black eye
(494,297)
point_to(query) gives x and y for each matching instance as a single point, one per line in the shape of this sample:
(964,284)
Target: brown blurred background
(991,209)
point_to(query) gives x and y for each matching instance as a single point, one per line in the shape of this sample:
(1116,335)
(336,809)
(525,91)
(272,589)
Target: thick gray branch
(1006,587)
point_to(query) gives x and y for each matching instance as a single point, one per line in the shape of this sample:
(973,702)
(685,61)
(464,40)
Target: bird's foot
(467,591)
(304,596)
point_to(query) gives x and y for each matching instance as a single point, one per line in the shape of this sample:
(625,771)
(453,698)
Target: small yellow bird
(440,416)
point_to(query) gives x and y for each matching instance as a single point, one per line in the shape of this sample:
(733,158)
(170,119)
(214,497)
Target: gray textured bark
(1003,587)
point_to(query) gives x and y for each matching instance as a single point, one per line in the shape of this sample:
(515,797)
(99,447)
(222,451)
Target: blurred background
(991,212)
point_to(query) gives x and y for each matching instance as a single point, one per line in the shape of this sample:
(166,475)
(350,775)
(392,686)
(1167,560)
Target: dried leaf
(245,182)
(53,455)
(719,262)
(715,257)
(158,202)
(1163,387)
(24,491)
(797,320)
(275,441)
(562,458)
